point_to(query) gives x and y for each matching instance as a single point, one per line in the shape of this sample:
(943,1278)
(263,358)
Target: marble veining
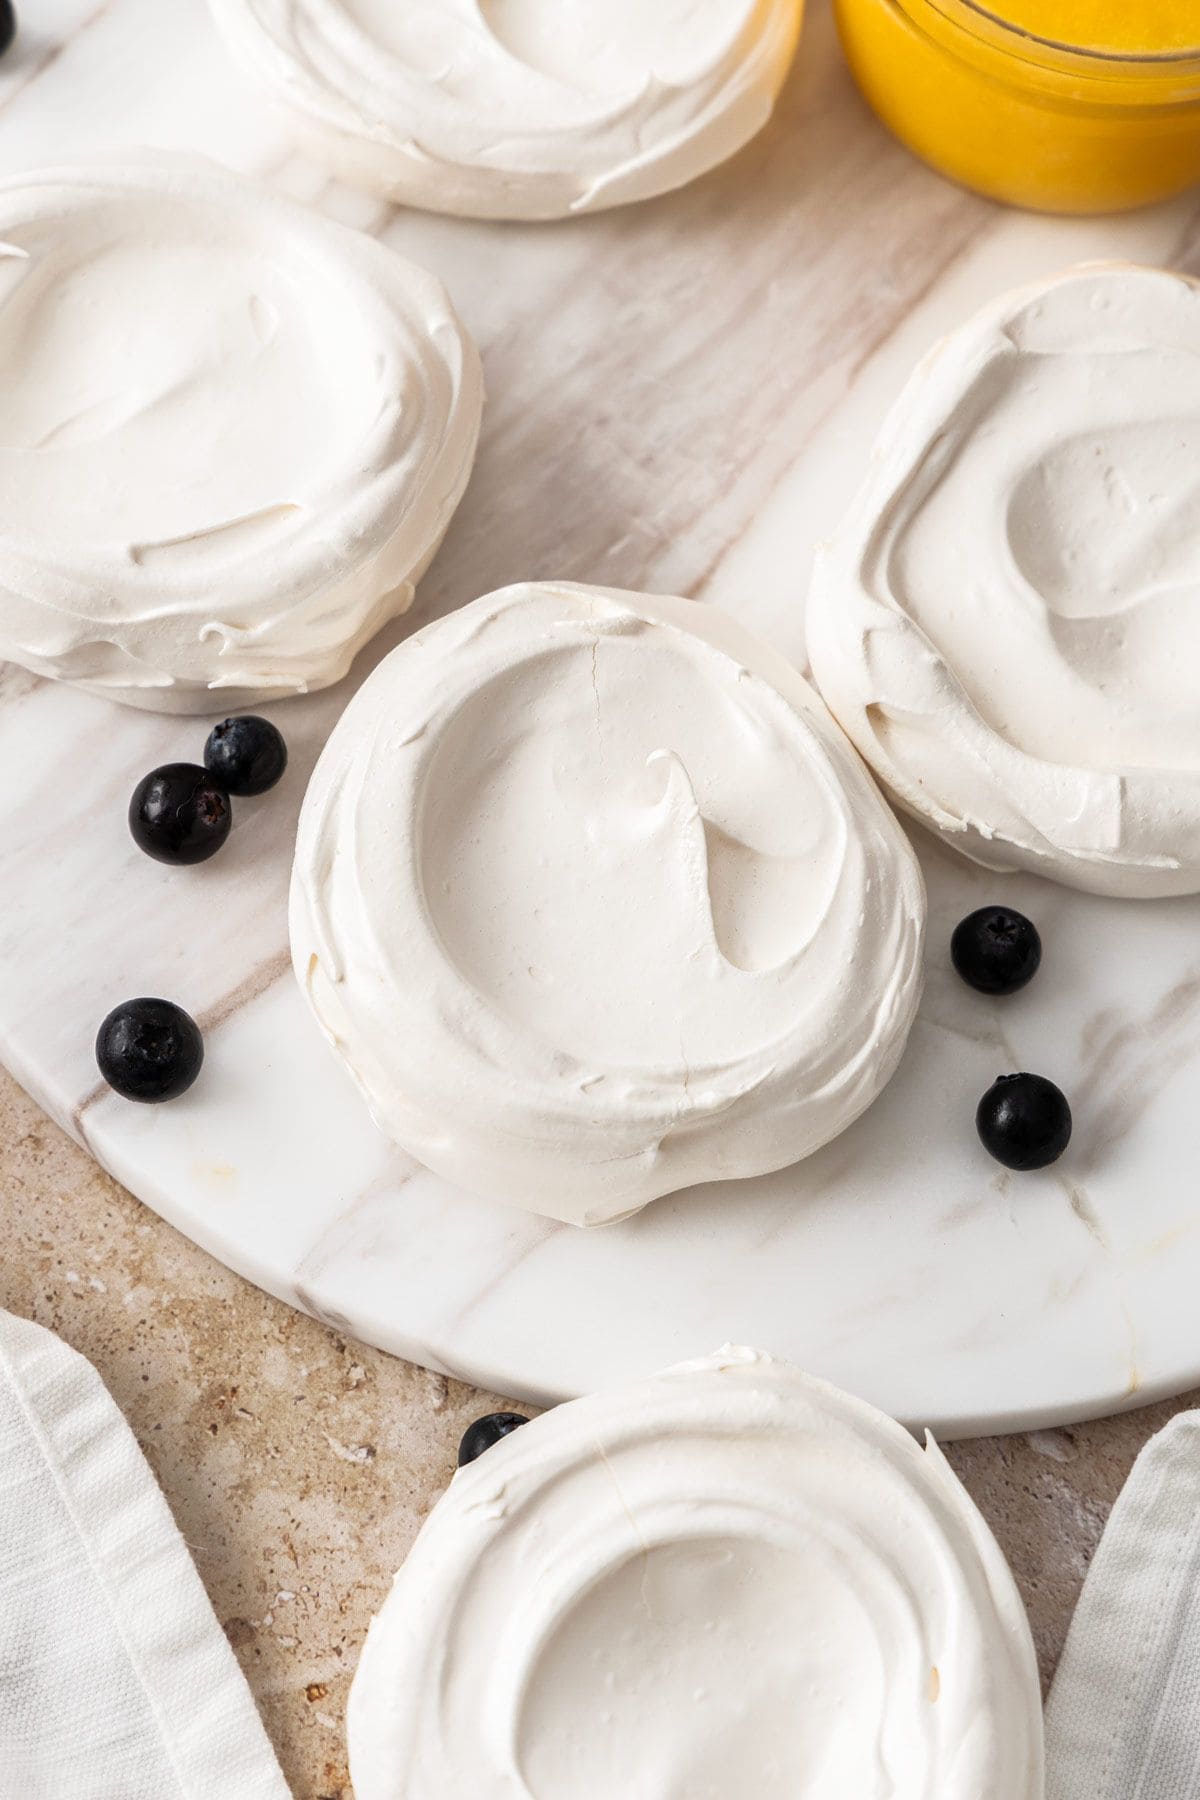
(681,396)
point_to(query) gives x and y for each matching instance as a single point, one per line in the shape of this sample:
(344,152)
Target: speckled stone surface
(300,1465)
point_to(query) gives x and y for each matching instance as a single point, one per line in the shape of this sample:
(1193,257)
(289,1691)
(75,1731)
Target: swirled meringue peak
(596,902)
(520,109)
(730,1582)
(1008,622)
(232,433)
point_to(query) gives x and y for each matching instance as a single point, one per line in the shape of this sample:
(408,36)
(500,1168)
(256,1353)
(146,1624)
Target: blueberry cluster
(182,813)
(1023,1120)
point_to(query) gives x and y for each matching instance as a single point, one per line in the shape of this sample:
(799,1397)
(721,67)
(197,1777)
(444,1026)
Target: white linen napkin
(116,1680)
(1123,1717)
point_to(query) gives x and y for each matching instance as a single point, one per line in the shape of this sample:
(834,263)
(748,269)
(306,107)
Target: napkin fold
(1123,1717)
(116,1680)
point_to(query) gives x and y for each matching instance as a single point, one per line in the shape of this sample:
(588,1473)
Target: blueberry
(8,25)
(180,814)
(996,950)
(1024,1121)
(247,755)
(484,1433)
(149,1050)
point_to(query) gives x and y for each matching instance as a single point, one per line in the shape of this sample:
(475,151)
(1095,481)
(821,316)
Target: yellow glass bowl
(1051,125)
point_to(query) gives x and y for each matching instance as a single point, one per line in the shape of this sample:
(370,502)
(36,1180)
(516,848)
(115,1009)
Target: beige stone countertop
(299,1465)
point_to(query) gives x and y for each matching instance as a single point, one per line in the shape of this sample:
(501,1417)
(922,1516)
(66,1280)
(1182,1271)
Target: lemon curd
(1062,105)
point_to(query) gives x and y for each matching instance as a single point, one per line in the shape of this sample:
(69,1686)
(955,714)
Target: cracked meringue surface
(232,433)
(729,1582)
(515,108)
(595,902)
(1007,622)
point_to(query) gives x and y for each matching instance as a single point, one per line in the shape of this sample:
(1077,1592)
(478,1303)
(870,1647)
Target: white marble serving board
(680,399)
